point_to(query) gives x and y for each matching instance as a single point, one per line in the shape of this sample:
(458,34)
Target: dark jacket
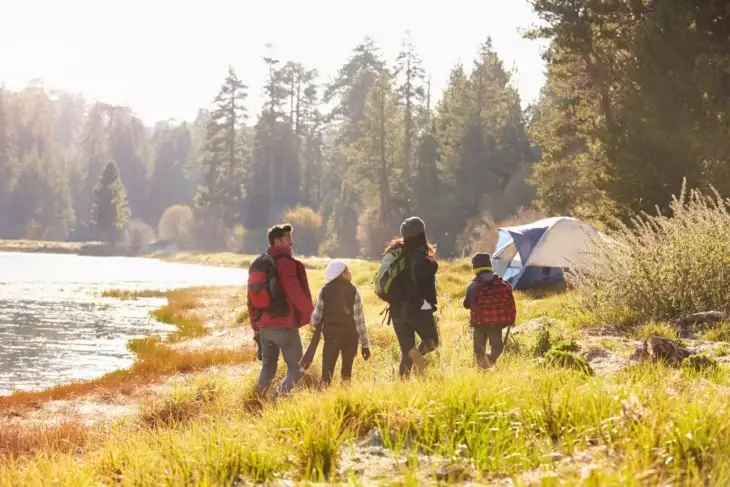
(422,285)
(293,281)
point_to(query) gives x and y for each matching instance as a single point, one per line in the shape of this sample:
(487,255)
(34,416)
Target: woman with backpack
(412,293)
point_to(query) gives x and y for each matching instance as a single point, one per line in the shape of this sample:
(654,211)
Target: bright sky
(167,58)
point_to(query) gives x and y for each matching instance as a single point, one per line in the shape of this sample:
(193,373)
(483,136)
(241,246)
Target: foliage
(307,225)
(568,360)
(109,211)
(700,363)
(662,266)
(176,224)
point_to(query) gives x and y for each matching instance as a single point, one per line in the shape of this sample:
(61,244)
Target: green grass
(648,424)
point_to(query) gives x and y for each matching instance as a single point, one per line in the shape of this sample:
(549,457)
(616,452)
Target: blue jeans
(288,341)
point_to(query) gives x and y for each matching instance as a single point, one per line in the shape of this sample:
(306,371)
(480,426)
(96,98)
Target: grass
(647,424)
(41,246)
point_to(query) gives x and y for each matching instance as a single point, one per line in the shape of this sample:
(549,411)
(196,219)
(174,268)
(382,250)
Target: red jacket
(294,283)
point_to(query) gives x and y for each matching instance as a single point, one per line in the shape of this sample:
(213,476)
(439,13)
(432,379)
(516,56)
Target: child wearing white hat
(338,316)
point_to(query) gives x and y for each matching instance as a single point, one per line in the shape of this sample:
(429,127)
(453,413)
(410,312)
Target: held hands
(257,339)
(365,353)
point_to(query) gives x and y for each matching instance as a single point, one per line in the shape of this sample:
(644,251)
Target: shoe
(419,365)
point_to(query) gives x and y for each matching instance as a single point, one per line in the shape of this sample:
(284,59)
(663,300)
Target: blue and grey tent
(542,251)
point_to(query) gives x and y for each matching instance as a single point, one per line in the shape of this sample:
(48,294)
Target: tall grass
(646,425)
(662,266)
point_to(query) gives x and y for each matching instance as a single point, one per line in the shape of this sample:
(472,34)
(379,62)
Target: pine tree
(350,88)
(223,180)
(109,211)
(411,95)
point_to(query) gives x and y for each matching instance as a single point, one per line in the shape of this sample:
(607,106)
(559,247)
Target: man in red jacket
(279,331)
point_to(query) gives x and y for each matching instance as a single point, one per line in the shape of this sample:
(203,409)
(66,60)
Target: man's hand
(365,353)
(257,339)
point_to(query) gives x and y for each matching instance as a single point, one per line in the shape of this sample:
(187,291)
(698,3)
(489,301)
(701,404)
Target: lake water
(55,327)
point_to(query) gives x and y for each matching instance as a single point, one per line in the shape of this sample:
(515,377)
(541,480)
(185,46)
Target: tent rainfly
(541,251)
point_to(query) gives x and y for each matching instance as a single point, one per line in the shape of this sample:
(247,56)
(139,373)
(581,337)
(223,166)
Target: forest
(636,101)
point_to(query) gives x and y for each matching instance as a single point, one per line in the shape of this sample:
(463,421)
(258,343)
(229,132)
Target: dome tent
(526,255)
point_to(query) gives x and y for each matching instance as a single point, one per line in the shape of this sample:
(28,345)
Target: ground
(187,414)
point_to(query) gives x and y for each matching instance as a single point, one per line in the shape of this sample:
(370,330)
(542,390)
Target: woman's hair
(411,244)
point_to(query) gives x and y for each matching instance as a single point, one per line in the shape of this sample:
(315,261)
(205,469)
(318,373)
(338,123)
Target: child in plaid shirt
(338,316)
(492,305)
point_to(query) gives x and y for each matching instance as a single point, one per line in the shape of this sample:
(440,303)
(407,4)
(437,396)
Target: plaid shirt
(357,314)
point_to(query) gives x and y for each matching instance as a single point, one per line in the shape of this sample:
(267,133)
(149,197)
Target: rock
(455,472)
(374,439)
(688,324)
(663,349)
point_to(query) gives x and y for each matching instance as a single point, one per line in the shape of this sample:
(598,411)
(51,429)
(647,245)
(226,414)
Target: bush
(661,267)
(699,363)
(543,343)
(567,360)
(176,224)
(137,233)
(307,225)
(566,346)
(209,231)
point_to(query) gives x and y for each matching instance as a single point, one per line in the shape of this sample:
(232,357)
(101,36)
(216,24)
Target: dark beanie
(412,227)
(481,261)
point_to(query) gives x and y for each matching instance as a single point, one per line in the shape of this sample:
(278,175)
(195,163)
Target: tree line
(635,101)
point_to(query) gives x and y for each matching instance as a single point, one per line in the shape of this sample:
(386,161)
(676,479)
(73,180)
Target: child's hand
(365,353)
(304,365)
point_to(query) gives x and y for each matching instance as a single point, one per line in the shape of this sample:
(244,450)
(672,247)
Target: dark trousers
(336,344)
(408,323)
(481,334)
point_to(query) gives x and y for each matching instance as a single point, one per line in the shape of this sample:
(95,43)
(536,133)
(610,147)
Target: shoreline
(209,333)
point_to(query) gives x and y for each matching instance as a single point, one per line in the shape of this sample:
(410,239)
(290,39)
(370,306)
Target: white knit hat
(333,271)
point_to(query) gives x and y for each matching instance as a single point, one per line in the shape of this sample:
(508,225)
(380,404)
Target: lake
(55,327)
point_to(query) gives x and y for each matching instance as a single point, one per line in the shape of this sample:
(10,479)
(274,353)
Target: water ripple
(55,327)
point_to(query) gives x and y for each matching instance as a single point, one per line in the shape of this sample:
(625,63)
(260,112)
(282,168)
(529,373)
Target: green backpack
(391,266)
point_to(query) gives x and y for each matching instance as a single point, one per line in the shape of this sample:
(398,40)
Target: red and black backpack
(494,303)
(263,290)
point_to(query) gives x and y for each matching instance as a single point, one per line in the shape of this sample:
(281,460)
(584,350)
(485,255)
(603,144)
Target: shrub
(567,360)
(176,224)
(660,267)
(566,346)
(699,363)
(542,344)
(137,233)
(307,225)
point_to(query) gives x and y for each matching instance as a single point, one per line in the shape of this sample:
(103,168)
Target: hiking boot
(419,365)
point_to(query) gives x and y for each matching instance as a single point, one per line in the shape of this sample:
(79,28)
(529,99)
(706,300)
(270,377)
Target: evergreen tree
(350,89)
(223,180)
(411,94)
(109,211)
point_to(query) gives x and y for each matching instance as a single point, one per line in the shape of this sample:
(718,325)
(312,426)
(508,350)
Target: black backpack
(264,291)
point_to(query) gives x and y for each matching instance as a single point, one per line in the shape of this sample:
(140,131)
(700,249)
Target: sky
(166,59)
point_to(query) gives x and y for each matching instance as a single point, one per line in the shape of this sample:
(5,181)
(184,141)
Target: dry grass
(21,440)
(42,246)
(662,266)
